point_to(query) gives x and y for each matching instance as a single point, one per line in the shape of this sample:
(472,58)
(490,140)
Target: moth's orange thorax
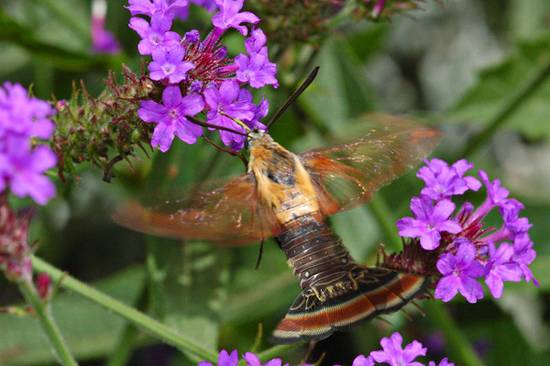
(282,181)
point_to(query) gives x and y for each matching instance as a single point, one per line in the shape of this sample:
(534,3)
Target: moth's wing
(231,214)
(347,175)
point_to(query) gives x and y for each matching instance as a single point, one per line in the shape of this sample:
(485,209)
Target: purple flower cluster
(24,119)
(393,354)
(467,249)
(232,359)
(199,75)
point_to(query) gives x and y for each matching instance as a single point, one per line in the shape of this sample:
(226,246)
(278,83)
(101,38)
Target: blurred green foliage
(453,63)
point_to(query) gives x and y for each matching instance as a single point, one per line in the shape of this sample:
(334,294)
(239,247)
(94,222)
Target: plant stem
(48,324)
(383,215)
(126,342)
(141,320)
(509,107)
(459,348)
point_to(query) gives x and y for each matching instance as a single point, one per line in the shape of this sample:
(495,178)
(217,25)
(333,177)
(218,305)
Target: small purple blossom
(253,360)
(524,255)
(501,267)
(361,360)
(496,194)
(255,68)
(170,117)
(167,8)
(21,166)
(169,65)
(460,273)
(229,16)
(154,36)
(23,115)
(22,169)
(394,355)
(226,102)
(430,221)
(443,181)
(443,362)
(224,359)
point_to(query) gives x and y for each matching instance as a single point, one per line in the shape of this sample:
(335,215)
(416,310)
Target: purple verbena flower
(501,267)
(167,8)
(22,169)
(229,16)
(472,250)
(103,41)
(155,36)
(460,273)
(226,102)
(496,194)
(443,181)
(170,117)
(431,220)
(23,115)
(21,166)
(224,359)
(253,360)
(524,255)
(169,65)
(255,68)
(394,355)
(361,360)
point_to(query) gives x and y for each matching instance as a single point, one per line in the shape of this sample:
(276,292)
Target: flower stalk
(509,107)
(50,328)
(141,320)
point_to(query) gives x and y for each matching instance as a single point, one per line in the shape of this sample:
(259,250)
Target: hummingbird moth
(288,196)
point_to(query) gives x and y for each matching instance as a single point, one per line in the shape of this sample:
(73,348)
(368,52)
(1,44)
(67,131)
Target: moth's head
(257,136)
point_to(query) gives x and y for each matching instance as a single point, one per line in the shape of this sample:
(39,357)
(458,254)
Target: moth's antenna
(294,96)
(209,125)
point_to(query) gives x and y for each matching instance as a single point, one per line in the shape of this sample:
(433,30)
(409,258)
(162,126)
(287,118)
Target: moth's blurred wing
(347,175)
(229,215)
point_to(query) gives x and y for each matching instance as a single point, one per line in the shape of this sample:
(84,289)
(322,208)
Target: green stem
(125,344)
(48,324)
(383,215)
(460,350)
(509,107)
(141,320)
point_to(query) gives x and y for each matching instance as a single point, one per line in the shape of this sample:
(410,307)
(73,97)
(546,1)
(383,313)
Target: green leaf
(499,82)
(340,92)
(14,32)
(90,330)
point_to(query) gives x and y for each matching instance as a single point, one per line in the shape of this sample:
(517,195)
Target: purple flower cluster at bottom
(392,353)
(22,119)
(467,250)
